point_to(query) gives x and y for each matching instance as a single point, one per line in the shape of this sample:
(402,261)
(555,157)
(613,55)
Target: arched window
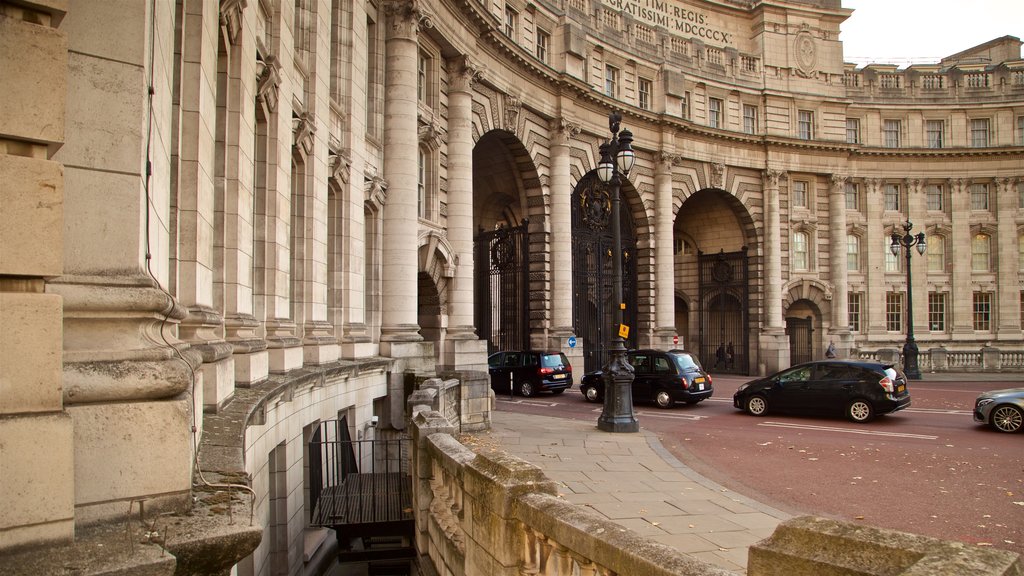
(852,253)
(936,254)
(800,255)
(980,253)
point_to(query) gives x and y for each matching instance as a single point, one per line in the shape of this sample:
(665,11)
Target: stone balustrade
(987,359)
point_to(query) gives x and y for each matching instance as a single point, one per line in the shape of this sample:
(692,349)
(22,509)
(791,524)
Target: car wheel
(1007,419)
(860,411)
(526,389)
(663,399)
(757,405)
(557,392)
(590,393)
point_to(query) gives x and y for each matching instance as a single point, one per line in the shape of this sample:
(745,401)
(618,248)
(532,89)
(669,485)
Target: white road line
(530,403)
(847,430)
(671,416)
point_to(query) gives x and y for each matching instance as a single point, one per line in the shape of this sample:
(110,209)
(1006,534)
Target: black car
(528,372)
(859,390)
(662,377)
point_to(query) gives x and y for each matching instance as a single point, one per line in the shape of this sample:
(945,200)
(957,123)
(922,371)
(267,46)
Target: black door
(801,339)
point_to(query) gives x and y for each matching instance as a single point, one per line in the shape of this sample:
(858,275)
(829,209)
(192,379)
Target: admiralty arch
(225,223)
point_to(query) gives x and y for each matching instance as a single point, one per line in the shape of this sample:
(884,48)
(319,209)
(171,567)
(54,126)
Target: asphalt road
(928,469)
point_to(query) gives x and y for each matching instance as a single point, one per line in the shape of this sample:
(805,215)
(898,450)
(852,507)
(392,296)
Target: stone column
(464,350)
(1008,299)
(664,260)
(400,266)
(563,131)
(774,342)
(840,330)
(875,246)
(962,294)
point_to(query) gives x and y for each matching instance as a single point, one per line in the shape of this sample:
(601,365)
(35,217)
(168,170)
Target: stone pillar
(774,342)
(962,293)
(840,330)
(875,245)
(664,260)
(37,502)
(1008,299)
(463,350)
(563,131)
(401,226)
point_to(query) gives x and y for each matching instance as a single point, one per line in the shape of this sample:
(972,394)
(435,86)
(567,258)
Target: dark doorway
(801,339)
(593,293)
(501,264)
(724,302)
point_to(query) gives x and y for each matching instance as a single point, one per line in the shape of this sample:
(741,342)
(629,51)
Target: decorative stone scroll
(231,18)
(564,130)
(376,191)
(772,177)
(717,175)
(302,133)
(513,106)
(407,17)
(463,74)
(268,79)
(340,165)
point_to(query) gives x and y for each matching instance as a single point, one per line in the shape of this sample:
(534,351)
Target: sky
(924,31)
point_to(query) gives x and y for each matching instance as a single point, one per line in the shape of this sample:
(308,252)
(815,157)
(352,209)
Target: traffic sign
(572,342)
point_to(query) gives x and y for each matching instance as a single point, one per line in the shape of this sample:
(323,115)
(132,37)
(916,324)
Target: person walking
(830,352)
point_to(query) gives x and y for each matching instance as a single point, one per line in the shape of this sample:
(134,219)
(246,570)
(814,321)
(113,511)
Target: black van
(529,372)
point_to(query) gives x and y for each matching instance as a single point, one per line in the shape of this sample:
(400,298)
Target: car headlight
(742,387)
(985,402)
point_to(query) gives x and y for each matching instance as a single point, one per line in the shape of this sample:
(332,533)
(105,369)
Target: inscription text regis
(674,18)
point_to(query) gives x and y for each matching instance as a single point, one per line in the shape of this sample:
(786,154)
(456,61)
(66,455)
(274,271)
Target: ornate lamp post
(617,415)
(905,243)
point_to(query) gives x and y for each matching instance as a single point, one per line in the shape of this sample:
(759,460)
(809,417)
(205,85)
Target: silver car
(1001,409)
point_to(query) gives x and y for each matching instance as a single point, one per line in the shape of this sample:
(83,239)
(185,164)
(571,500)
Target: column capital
(564,130)
(772,177)
(838,181)
(463,73)
(406,18)
(958,184)
(1004,184)
(913,184)
(873,184)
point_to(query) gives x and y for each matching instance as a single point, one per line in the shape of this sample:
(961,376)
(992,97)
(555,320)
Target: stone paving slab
(631,479)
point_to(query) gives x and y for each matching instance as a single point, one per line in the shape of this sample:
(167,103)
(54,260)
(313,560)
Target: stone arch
(437,264)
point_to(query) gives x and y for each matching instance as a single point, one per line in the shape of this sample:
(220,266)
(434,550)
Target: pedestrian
(720,356)
(830,352)
(729,355)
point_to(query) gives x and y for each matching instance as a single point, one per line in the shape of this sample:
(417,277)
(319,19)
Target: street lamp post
(905,243)
(617,415)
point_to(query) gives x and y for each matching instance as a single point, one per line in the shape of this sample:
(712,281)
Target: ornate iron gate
(801,339)
(724,302)
(501,264)
(592,307)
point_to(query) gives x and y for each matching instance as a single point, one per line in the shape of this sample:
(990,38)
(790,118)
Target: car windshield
(686,363)
(553,360)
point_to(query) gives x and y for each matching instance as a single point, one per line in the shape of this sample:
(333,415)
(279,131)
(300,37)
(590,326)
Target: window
(511,22)
(421,200)
(892,197)
(933,131)
(800,193)
(805,124)
(684,106)
(853,131)
(852,196)
(893,311)
(800,254)
(936,254)
(937,311)
(935,196)
(893,262)
(749,119)
(980,250)
(421,78)
(715,113)
(979,196)
(1020,130)
(979,132)
(852,253)
(1020,194)
(1020,253)
(543,45)
(853,310)
(611,80)
(983,311)
(891,134)
(644,89)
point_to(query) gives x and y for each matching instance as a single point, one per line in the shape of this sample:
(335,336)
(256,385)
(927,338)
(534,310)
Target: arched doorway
(593,290)
(803,326)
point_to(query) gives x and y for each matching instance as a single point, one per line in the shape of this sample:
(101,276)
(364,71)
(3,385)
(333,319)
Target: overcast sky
(924,31)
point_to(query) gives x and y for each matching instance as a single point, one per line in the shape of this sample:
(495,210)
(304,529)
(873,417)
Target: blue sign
(572,341)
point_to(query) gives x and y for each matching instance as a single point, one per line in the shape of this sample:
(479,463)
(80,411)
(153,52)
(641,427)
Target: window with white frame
(933,132)
(853,130)
(935,197)
(979,132)
(511,22)
(853,308)
(421,185)
(937,311)
(715,112)
(891,195)
(800,252)
(893,262)
(611,80)
(1020,253)
(852,252)
(982,305)
(543,47)
(852,196)
(800,193)
(1020,130)
(891,133)
(981,250)
(936,253)
(749,119)
(421,78)
(894,311)
(805,124)
(684,106)
(979,196)
(644,89)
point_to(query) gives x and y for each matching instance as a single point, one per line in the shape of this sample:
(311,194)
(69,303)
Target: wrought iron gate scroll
(724,303)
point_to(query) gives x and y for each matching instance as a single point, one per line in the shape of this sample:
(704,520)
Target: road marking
(530,403)
(939,411)
(847,430)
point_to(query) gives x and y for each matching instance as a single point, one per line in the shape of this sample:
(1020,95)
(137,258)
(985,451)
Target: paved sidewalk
(631,479)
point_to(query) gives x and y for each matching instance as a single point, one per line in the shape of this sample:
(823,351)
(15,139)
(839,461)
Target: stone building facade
(201,196)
